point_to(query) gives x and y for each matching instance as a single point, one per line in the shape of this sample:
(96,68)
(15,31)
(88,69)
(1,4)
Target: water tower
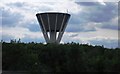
(53,25)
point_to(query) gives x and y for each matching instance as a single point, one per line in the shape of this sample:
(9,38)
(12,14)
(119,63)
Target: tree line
(69,57)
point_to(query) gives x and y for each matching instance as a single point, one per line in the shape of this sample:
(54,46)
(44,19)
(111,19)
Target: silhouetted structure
(53,25)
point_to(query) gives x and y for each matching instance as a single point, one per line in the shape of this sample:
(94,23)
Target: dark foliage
(70,57)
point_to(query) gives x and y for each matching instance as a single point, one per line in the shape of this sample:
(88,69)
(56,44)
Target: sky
(93,22)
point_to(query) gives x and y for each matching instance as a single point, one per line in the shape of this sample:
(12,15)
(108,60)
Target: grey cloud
(77,22)
(44,8)
(17,4)
(97,14)
(103,13)
(83,27)
(26,6)
(75,19)
(88,3)
(108,43)
(113,27)
(34,27)
(7,38)
(9,18)
(73,35)
(79,18)
(73,29)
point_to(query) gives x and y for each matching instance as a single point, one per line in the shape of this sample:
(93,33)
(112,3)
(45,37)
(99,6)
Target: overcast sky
(94,22)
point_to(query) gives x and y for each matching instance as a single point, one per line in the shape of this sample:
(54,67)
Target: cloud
(17,4)
(23,33)
(94,13)
(97,1)
(108,43)
(26,6)
(10,19)
(99,13)
(90,22)
(19,32)
(83,27)
(34,27)
(88,3)
(112,24)
(32,1)
(84,37)
(73,35)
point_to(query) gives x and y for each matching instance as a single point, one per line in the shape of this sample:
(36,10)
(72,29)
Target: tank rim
(52,13)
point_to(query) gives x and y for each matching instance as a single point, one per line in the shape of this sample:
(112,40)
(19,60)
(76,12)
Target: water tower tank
(53,25)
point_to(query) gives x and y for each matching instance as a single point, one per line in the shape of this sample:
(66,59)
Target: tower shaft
(53,37)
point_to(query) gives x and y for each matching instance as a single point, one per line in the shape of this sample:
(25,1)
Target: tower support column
(52,37)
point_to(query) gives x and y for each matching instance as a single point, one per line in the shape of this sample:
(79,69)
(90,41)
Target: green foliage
(70,57)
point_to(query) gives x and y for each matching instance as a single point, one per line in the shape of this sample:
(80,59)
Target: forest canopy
(69,57)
